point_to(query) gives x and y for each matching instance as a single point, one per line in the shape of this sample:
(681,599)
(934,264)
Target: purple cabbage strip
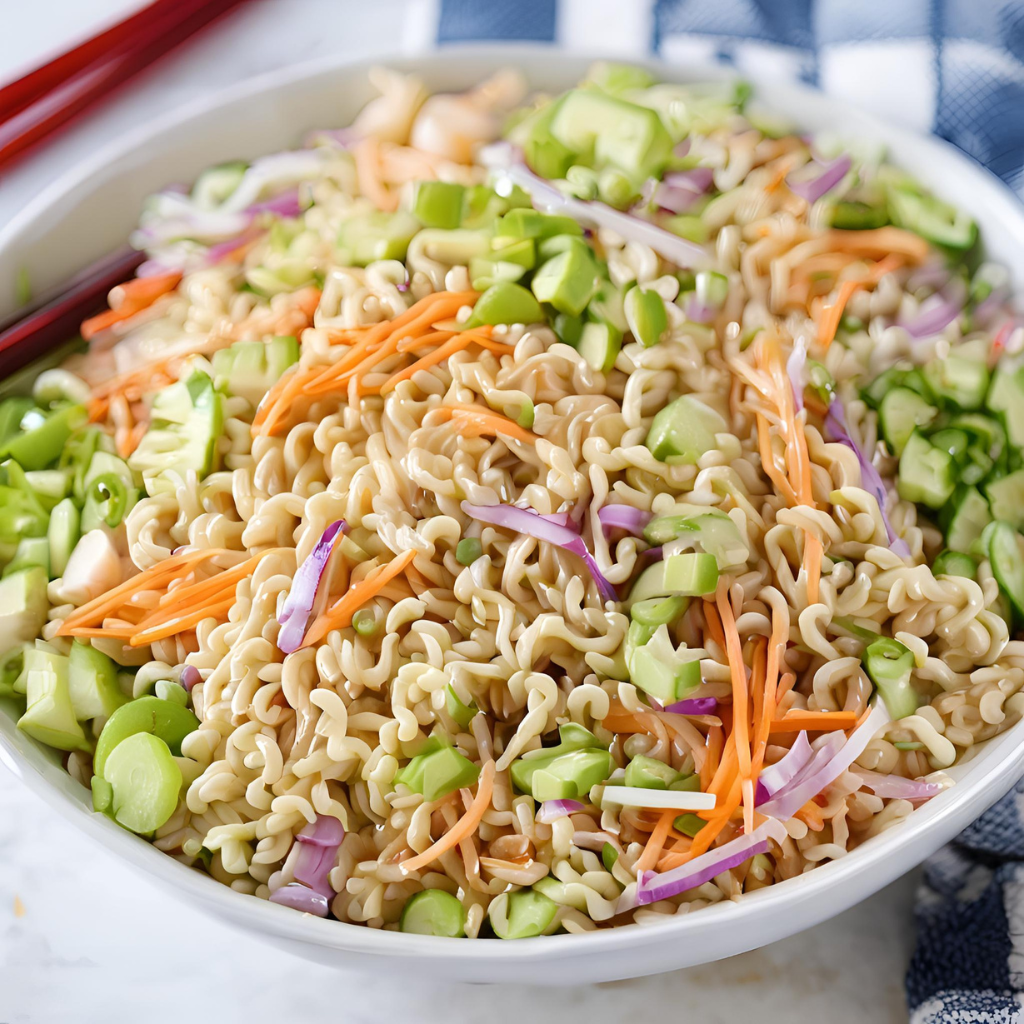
(896,787)
(654,886)
(835,421)
(796,367)
(299,897)
(693,706)
(532,524)
(624,517)
(814,188)
(811,782)
(780,774)
(299,603)
(504,158)
(552,810)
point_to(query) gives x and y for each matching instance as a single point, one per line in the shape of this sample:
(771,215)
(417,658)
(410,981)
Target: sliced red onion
(343,137)
(624,517)
(561,519)
(698,312)
(935,314)
(505,159)
(301,898)
(679,191)
(812,781)
(552,810)
(928,275)
(285,205)
(896,787)
(812,189)
(682,149)
(693,706)
(190,677)
(796,367)
(532,524)
(222,250)
(275,173)
(654,886)
(299,603)
(780,774)
(870,477)
(325,831)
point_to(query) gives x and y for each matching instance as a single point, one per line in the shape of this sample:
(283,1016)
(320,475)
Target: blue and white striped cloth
(953,67)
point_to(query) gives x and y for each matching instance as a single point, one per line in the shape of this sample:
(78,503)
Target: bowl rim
(875,862)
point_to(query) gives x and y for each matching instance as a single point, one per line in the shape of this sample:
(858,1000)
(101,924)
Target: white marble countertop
(83,940)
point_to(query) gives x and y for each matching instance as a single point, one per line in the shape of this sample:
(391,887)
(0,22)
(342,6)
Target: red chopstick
(57,318)
(166,26)
(16,95)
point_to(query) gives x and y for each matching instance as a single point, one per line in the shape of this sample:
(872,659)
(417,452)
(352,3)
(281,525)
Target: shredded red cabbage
(301,898)
(654,886)
(190,677)
(693,706)
(624,517)
(896,787)
(299,603)
(505,159)
(835,421)
(532,524)
(816,776)
(812,189)
(780,774)
(552,810)
(796,367)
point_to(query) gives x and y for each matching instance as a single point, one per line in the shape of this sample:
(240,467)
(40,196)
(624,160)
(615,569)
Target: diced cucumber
(49,485)
(566,771)
(955,563)
(900,412)
(1005,549)
(506,303)
(710,529)
(608,306)
(31,551)
(40,438)
(1006,396)
(522,223)
(484,272)
(463,714)
(986,431)
(433,912)
(656,668)
(62,534)
(23,607)
(926,474)
(215,184)
(645,314)
(932,219)
(376,235)
(848,215)
(187,421)
(600,344)
(889,665)
(438,771)
(615,131)
(250,368)
(523,914)
(970,516)
(12,411)
(163,718)
(567,281)
(49,716)
(896,377)
(650,773)
(958,379)
(684,430)
(690,574)
(92,683)
(102,794)
(145,781)
(438,204)
(1006,498)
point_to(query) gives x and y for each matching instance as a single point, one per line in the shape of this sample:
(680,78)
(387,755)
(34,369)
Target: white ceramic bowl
(91,211)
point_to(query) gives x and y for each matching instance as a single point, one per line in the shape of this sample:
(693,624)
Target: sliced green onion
(109,490)
(468,550)
(364,622)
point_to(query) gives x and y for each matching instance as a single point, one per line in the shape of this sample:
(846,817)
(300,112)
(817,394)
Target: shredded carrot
(775,650)
(813,552)
(797,719)
(462,829)
(339,615)
(439,355)
(475,421)
(786,683)
(366,154)
(738,672)
(716,737)
(776,476)
(171,627)
(877,243)
(131,297)
(810,814)
(656,842)
(833,314)
(155,577)
(714,623)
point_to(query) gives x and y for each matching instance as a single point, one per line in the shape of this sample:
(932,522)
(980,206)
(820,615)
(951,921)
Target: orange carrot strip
(786,684)
(134,296)
(162,630)
(738,672)
(656,842)
(462,829)
(768,462)
(339,615)
(810,815)
(714,623)
(366,153)
(776,648)
(878,243)
(833,313)
(813,552)
(474,421)
(716,736)
(814,721)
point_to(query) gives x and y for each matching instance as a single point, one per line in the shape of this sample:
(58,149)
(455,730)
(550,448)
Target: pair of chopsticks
(38,104)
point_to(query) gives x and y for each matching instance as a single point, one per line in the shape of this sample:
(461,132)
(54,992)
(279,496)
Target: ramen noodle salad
(515,514)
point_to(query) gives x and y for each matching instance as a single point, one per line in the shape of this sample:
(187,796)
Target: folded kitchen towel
(953,67)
